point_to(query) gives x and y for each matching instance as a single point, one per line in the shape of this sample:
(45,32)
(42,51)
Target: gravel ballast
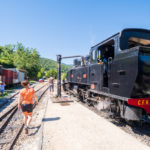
(74,127)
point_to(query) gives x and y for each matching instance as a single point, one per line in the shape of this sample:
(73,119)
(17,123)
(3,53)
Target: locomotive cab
(136,42)
(102,56)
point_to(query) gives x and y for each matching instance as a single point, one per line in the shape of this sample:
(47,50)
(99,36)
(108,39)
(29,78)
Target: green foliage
(49,64)
(39,75)
(51,68)
(42,71)
(7,55)
(17,56)
(64,76)
(20,57)
(51,73)
(27,59)
(32,81)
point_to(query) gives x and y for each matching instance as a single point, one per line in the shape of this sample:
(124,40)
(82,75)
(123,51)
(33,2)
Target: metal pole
(59,75)
(59,58)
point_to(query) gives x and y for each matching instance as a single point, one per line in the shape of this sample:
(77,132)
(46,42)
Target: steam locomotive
(116,75)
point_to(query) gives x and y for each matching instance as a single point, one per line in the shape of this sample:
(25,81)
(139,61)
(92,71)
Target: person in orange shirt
(26,103)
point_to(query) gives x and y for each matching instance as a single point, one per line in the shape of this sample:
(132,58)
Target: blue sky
(68,27)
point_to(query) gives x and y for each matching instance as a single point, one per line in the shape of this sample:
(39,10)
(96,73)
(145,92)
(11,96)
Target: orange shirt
(27,95)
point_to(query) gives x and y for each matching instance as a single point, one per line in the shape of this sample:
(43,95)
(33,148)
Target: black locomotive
(116,74)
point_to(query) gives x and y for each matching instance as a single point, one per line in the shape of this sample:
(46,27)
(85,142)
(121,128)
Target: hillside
(49,64)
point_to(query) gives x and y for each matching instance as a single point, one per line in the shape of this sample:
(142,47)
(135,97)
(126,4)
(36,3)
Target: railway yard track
(140,132)
(11,124)
(10,99)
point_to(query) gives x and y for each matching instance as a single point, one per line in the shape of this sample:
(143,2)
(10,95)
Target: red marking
(72,76)
(84,75)
(141,102)
(92,86)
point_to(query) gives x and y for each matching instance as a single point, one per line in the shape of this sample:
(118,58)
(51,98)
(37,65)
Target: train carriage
(12,76)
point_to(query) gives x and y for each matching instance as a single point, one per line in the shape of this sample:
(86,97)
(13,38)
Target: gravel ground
(142,133)
(71,126)
(10,131)
(12,102)
(13,126)
(74,127)
(33,139)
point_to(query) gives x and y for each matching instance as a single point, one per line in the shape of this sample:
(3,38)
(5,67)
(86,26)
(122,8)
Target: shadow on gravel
(50,119)
(36,130)
(135,127)
(119,124)
(5,102)
(141,130)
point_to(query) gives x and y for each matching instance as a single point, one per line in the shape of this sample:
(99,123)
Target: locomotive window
(133,38)
(133,42)
(106,50)
(94,55)
(99,54)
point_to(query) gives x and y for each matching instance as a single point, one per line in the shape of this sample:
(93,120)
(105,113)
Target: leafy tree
(49,64)
(64,76)
(51,73)
(7,55)
(42,70)
(27,59)
(39,75)
(21,57)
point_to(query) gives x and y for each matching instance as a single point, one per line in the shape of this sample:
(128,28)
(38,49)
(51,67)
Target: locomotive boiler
(117,71)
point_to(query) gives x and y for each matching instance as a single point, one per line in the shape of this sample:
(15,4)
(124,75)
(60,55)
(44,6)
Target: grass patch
(4,94)
(32,81)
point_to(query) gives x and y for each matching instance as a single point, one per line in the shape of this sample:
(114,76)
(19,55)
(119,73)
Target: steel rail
(12,97)
(22,125)
(9,114)
(9,111)
(4,124)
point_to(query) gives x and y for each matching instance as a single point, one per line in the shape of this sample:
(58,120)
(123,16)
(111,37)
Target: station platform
(72,126)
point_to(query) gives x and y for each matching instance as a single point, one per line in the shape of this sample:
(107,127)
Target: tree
(39,75)
(64,76)
(42,70)
(51,73)
(7,55)
(49,64)
(21,57)
(27,59)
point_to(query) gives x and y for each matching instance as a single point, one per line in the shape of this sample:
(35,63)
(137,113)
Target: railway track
(5,113)
(11,123)
(11,97)
(142,133)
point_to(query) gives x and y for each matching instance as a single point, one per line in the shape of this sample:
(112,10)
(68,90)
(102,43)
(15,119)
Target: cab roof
(120,33)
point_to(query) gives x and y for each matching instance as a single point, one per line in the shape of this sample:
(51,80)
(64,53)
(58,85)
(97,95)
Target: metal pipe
(59,58)
(59,75)
(71,56)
